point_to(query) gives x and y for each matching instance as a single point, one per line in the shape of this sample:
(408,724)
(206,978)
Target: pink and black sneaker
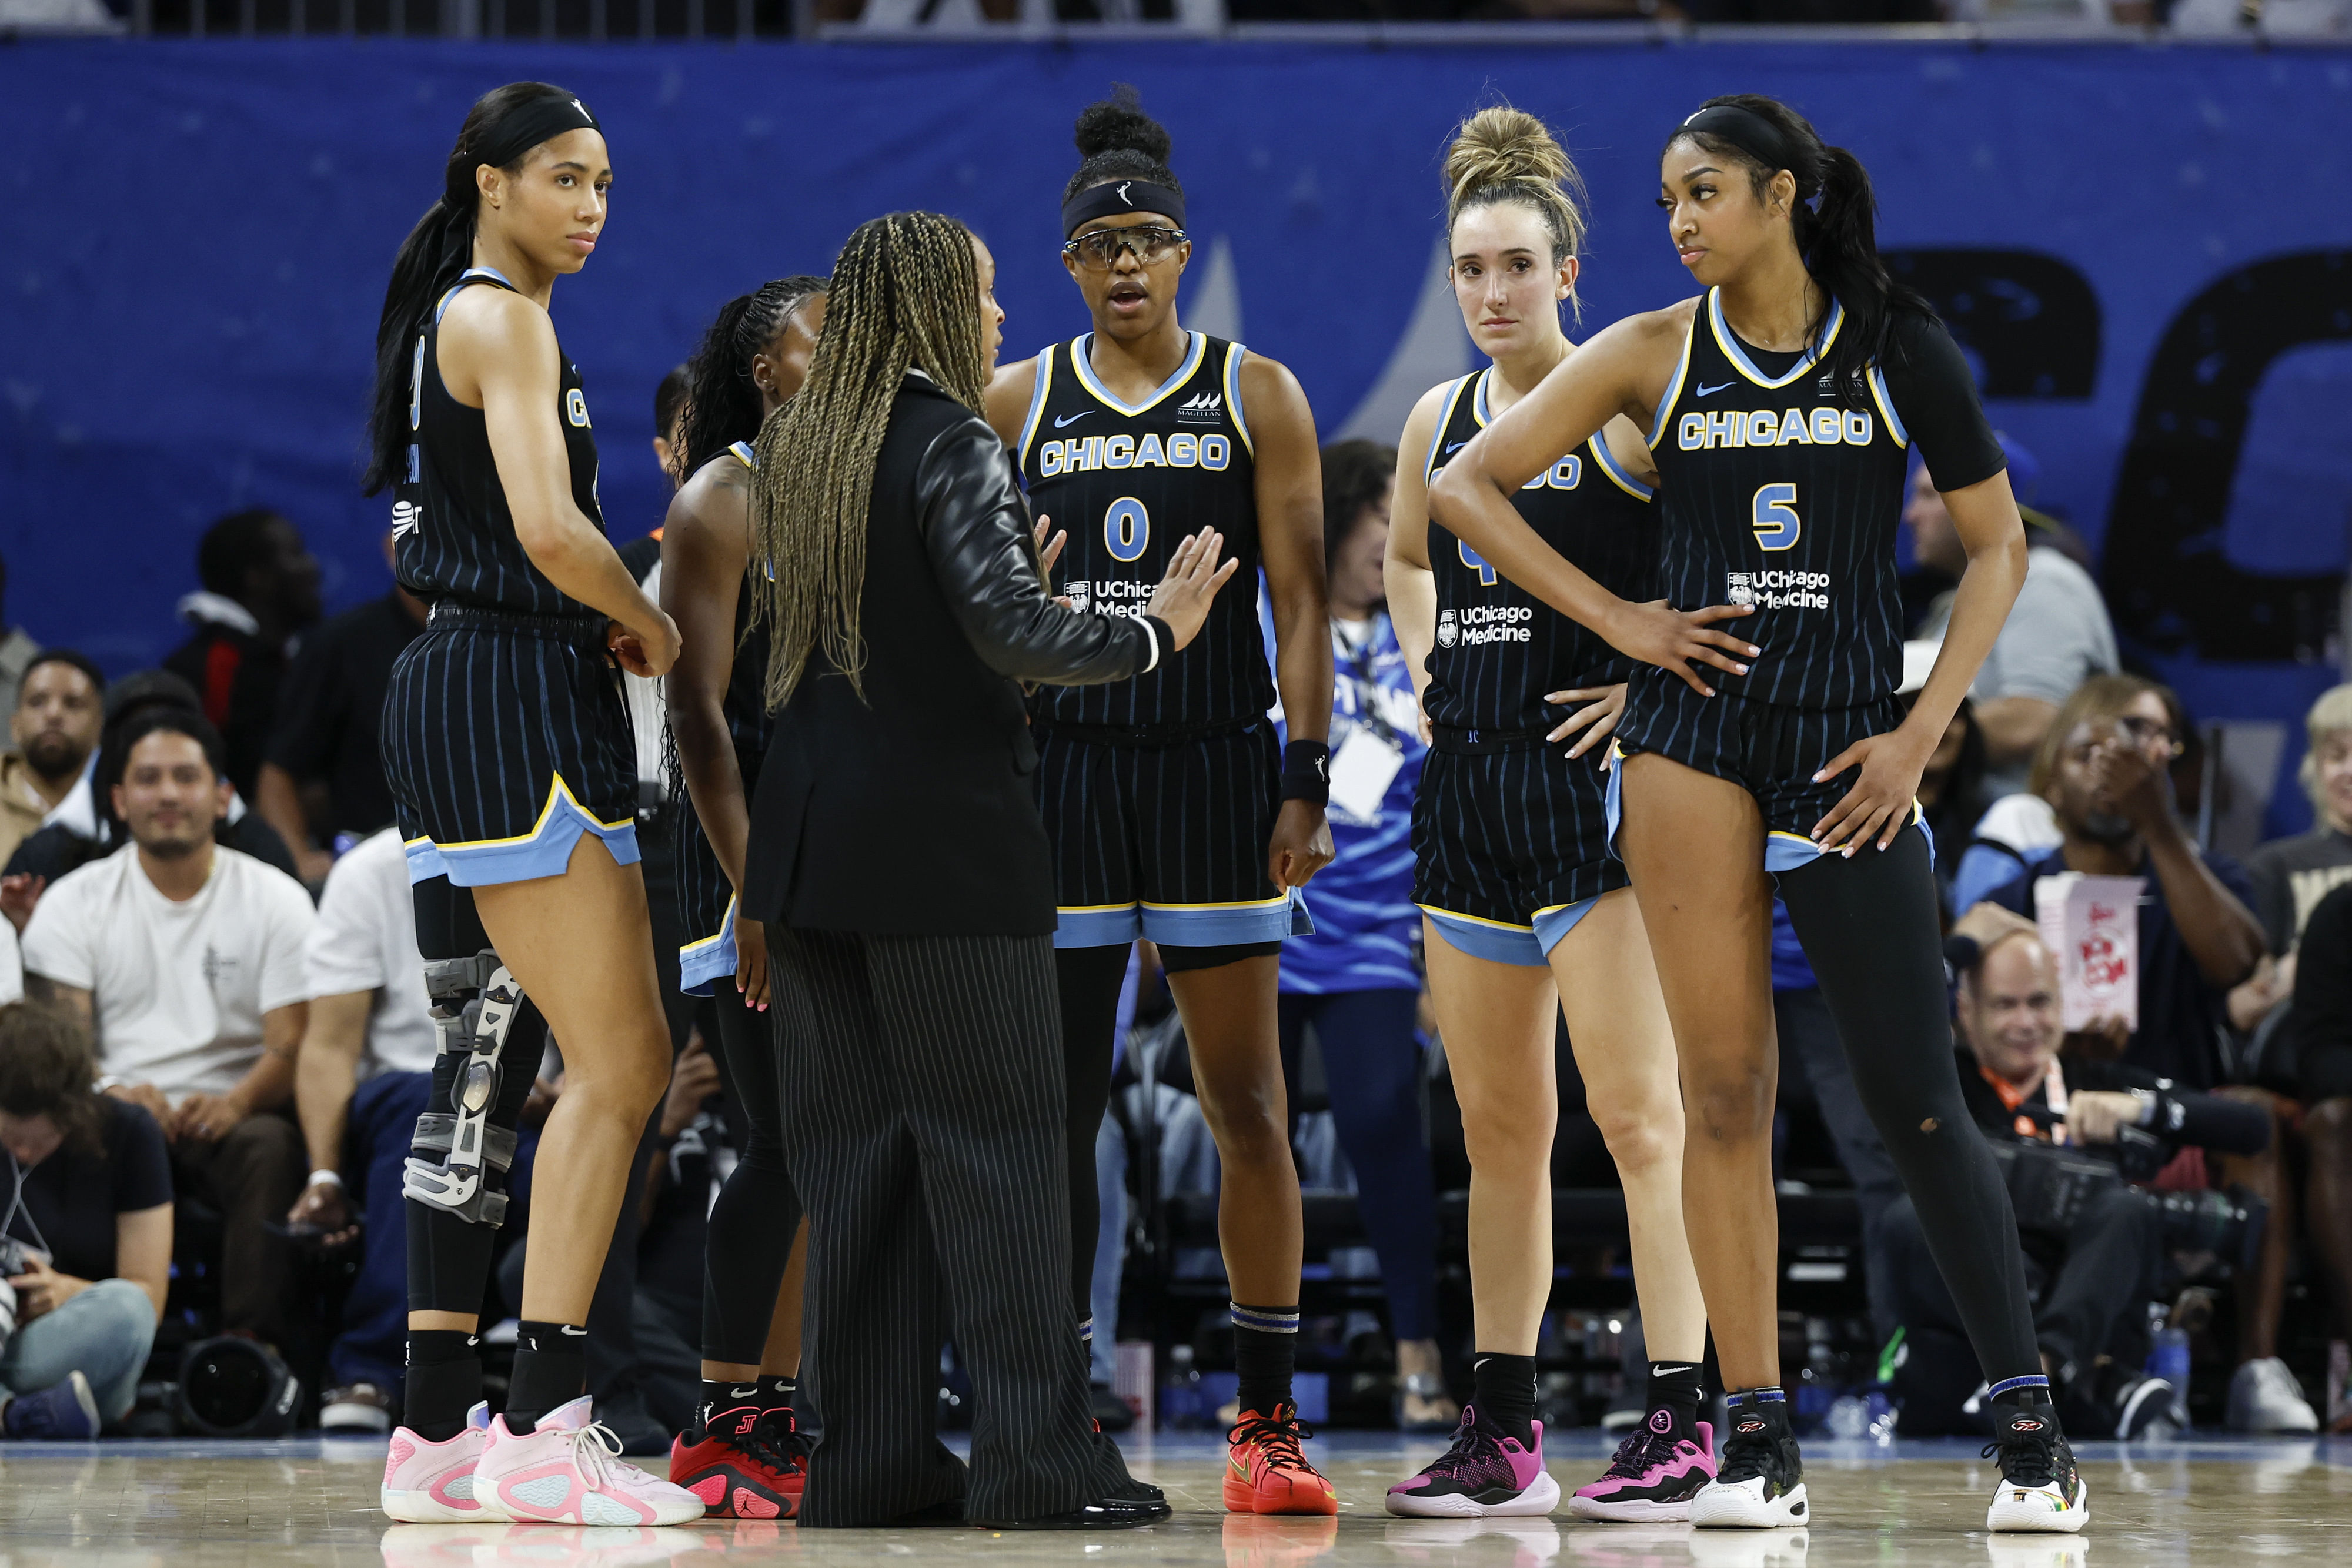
(1654,1476)
(1485,1475)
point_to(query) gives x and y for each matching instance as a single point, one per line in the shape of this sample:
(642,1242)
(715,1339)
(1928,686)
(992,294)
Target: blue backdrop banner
(2144,249)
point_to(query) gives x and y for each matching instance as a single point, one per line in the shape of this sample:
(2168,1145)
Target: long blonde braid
(904,292)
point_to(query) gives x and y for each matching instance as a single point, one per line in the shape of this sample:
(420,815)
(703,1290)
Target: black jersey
(453,537)
(1782,490)
(1499,648)
(1127,483)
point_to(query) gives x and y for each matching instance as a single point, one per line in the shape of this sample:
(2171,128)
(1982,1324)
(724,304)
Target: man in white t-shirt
(365,1077)
(185,957)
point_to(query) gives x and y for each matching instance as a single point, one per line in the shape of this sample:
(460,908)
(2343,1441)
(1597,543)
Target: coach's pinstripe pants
(922,1089)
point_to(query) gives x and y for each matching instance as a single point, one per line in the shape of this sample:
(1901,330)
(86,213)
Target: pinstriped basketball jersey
(1782,491)
(1127,483)
(1499,648)
(453,536)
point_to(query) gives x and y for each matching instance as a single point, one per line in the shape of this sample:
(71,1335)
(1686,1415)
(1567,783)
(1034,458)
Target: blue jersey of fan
(1365,919)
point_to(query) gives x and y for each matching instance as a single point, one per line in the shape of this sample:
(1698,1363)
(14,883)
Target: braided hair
(904,292)
(722,405)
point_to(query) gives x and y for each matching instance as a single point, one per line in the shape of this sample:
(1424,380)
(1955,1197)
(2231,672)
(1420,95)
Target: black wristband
(1306,772)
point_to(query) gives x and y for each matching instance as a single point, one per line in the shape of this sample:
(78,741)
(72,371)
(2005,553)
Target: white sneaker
(1760,1482)
(433,1483)
(2265,1397)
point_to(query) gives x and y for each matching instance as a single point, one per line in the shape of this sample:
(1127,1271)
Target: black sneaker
(2040,1487)
(1760,1482)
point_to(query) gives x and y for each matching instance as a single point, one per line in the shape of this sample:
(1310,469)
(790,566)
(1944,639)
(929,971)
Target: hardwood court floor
(311,1503)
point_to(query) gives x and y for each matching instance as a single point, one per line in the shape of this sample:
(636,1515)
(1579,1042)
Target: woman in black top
(1780,405)
(750,364)
(514,770)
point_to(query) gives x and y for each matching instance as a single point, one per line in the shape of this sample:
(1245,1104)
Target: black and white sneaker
(2040,1487)
(1760,1481)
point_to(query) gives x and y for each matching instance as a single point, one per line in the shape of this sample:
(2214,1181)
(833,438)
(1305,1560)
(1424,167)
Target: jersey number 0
(1126,528)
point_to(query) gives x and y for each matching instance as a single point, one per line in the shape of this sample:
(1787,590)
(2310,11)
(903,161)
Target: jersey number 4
(1775,517)
(1126,528)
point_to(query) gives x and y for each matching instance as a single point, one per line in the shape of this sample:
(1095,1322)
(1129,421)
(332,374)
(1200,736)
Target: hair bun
(1118,124)
(1497,145)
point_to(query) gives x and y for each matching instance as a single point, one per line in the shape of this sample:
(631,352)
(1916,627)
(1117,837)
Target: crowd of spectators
(215,1040)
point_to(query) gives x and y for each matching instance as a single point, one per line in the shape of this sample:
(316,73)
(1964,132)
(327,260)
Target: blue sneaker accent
(62,1413)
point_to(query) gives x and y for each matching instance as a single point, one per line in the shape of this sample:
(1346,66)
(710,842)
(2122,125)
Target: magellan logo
(1208,407)
(1448,634)
(406,515)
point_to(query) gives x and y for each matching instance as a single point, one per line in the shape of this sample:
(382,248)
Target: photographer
(2072,1138)
(85,1240)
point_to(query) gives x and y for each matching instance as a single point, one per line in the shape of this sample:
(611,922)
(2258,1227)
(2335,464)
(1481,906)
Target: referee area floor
(311,1502)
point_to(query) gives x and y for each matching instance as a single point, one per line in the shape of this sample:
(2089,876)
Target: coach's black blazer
(913,812)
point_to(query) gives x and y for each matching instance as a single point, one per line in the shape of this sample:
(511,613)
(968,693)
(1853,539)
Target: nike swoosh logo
(570,1332)
(1711,391)
(1062,423)
(1457,446)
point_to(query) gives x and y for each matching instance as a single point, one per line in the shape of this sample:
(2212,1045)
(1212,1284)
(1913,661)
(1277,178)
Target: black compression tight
(1089,981)
(1870,930)
(758,1211)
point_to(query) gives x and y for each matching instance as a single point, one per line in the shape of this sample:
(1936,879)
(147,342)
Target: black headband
(1744,129)
(532,122)
(1121,196)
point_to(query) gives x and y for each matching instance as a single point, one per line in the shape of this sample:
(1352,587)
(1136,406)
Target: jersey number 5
(1126,528)
(1775,519)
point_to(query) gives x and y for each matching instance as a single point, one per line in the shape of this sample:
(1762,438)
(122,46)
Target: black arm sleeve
(2184,1116)
(1935,398)
(976,531)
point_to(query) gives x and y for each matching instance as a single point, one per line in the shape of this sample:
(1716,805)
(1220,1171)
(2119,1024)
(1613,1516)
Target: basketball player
(1173,814)
(1782,406)
(745,1463)
(514,773)
(1524,911)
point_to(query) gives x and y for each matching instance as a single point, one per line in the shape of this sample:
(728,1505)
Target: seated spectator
(84,828)
(89,1226)
(260,592)
(60,702)
(2093,1271)
(2291,875)
(2113,802)
(328,716)
(2056,637)
(17,651)
(185,957)
(2321,1027)
(365,1075)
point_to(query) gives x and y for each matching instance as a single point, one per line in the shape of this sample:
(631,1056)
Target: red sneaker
(743,1475)
(1267,1473)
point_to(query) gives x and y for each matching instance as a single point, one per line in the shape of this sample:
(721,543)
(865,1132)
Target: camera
(2050,1186)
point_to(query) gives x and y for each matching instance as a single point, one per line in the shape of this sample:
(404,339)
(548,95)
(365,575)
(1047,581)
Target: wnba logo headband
(539,120)
(1121,196)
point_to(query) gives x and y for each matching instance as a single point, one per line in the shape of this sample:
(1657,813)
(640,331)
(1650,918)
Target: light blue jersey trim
(547,852)
(1616,470)
(702,966)
(1102,394)
(1098,925)
(743,454)
(1728,342)
(1673,386)
(1036,404)
(1790,851)
(1445,418)
(1525,947)
(1186,925)
(1885,401)
(1234,395)
(469,272)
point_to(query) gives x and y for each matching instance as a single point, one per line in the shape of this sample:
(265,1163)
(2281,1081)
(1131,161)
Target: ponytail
(501,129)
(1834,222)
(722,405)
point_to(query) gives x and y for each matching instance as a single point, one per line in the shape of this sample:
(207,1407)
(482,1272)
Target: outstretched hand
(1183,596)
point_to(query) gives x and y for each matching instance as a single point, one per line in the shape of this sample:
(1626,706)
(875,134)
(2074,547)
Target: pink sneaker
(433,1483)
(1654,1476)
(1485,1475)
(569,1471)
